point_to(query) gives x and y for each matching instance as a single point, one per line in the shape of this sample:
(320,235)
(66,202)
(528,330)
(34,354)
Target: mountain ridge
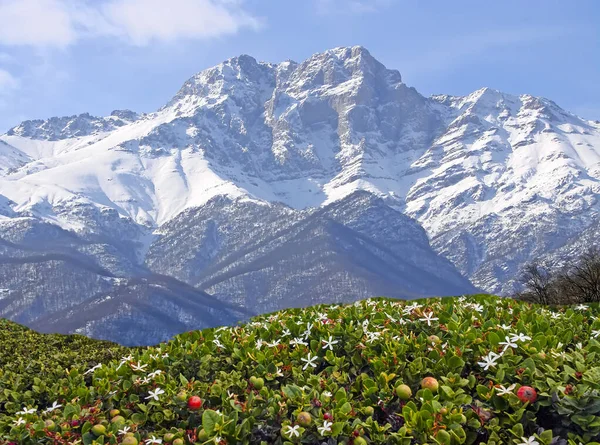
(494,180)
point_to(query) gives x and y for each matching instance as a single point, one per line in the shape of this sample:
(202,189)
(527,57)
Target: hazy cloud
(59,23)
(8,82)
(350,6)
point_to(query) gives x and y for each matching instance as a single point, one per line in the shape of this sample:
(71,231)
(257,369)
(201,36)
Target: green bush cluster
(469,370)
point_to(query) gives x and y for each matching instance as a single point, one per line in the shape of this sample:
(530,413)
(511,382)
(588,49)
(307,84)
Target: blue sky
(63,57)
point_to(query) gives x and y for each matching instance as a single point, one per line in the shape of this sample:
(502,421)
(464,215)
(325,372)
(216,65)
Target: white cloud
(60,23)
(142,21)
(8,82)
(36,22)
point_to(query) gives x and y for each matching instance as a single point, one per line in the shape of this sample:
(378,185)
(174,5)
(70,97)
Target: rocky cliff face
(271,185)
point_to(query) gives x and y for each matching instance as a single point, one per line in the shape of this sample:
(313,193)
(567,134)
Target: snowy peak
(309,134)
(57,128)
(234,77)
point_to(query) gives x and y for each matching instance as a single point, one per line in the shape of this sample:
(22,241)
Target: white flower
(581,307)
(93,368)
(20,421)
(293,430)
(259,344)
(508,343)
(286,333)
(555,315)
(218,344)
(298,341)
(222,328)
(476,307)
(139,367)
(428,318)
(145,380)
(54,406)
(529,441)
(489,361)
(326,428)
(520,337)
(310,361)
(154,356)
(218,439)
(278,373)
(272,345)
(501,390)
(124,431)
(307,332)
(327,394)
(154,394)
(329,343)
(27,411)
(165,355)
(372,336)
(321,316)
(153,439)
(125,360)
(595,333)
(155,373)
(506,327)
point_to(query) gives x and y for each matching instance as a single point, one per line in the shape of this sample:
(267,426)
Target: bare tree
(538,285)
(581,280)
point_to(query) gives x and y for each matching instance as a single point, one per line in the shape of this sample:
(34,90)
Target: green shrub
(340,366)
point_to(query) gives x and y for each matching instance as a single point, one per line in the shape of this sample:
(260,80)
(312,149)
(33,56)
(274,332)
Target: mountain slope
(495,180)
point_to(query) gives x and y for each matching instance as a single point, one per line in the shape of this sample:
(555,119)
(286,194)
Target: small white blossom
(529,441)
(310,361)
(293,430)
(298,341)
(125,360)
(508,343)
(20,421)
(154,394)
(54,406)
(489,361)
(501,390)
(139,367)
(326,428)
(428,318)
(124,431)
(328,344)
(153,439)
(155,373)
(520,337)
(27,411)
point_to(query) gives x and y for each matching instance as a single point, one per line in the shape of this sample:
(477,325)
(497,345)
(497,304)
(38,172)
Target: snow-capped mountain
(247,185)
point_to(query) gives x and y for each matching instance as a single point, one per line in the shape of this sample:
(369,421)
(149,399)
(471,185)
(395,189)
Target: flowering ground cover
(473,370)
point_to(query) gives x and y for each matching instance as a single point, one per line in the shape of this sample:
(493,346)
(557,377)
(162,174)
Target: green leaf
(209,420)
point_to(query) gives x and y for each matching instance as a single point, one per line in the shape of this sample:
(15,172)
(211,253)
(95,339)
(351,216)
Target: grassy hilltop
(468,370)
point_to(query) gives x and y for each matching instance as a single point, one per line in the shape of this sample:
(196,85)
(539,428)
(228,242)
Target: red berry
(194,402)
(327,416)
(527,394)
